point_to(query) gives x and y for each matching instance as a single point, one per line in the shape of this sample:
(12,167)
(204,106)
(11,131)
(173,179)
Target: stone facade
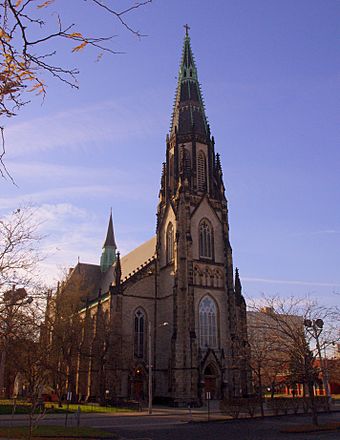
(180,285)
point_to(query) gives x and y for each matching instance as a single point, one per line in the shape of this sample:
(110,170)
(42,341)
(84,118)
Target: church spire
(108,256)
(110,236)
(189,112)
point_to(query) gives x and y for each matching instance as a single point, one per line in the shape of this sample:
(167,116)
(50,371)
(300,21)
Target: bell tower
(195,255)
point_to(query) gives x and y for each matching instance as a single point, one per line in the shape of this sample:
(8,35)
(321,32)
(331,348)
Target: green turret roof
(189,112)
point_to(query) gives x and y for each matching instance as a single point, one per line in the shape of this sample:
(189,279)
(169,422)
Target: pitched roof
(131,263)
(138,258)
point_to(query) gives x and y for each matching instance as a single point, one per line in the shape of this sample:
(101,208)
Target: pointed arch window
(170,243)
(186,162)
(139,333)
(205,240)
(201,172)
(208,323)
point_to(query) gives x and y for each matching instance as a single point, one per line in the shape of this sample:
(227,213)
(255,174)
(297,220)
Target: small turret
(238,285)
(108,256)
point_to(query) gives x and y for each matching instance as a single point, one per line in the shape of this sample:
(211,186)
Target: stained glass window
(205,240)
(208,323)
(139,333)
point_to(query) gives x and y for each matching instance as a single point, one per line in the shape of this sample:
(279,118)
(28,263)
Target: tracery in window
(208,323)
(139,330)
(201,172)
(205,240)
(169,243)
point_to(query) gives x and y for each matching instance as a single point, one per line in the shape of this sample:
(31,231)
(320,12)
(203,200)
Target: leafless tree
(266,359)
(19,286)
(19,248)
(29,30)
(21,317)
(284,319)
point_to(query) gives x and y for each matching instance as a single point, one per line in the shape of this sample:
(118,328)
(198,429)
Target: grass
(6,407)
(83,408)
(330,426)
(22,407)
(56,432)
(268,396)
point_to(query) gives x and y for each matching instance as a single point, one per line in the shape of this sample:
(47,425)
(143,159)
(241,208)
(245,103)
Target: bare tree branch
(23,56)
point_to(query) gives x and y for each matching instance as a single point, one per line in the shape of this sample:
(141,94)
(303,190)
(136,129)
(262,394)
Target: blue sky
(269,72)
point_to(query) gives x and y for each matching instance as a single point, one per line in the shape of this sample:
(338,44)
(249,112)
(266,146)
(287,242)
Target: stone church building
(176,296)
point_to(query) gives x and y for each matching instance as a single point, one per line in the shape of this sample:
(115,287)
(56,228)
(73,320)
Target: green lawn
(6,407)
(53,407)
(22,407)
(56,432)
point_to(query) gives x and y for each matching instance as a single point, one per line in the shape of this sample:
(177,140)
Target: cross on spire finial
(186,27)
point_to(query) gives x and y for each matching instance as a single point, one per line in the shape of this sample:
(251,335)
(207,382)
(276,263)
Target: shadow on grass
(57,432)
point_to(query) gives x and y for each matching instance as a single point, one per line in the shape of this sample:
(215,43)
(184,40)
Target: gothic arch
(208,322)
(139,332)
(186,161)
(201,172)
(206,239)
(137,383)
(218,278)
(208,277)
(170,243)
(212,380)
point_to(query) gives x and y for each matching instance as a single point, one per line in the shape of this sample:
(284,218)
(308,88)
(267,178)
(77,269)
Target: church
(175,300)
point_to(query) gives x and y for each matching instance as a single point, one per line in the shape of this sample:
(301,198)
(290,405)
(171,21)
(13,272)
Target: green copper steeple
(108,256)
(189,112)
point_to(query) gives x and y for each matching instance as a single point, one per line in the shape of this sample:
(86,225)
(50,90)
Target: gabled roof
(138,258)
(131,263)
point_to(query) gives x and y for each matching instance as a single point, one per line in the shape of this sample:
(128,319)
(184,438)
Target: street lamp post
(314,328)
(164,324)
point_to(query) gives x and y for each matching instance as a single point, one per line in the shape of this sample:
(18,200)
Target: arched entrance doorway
(138,385)
(210,382)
